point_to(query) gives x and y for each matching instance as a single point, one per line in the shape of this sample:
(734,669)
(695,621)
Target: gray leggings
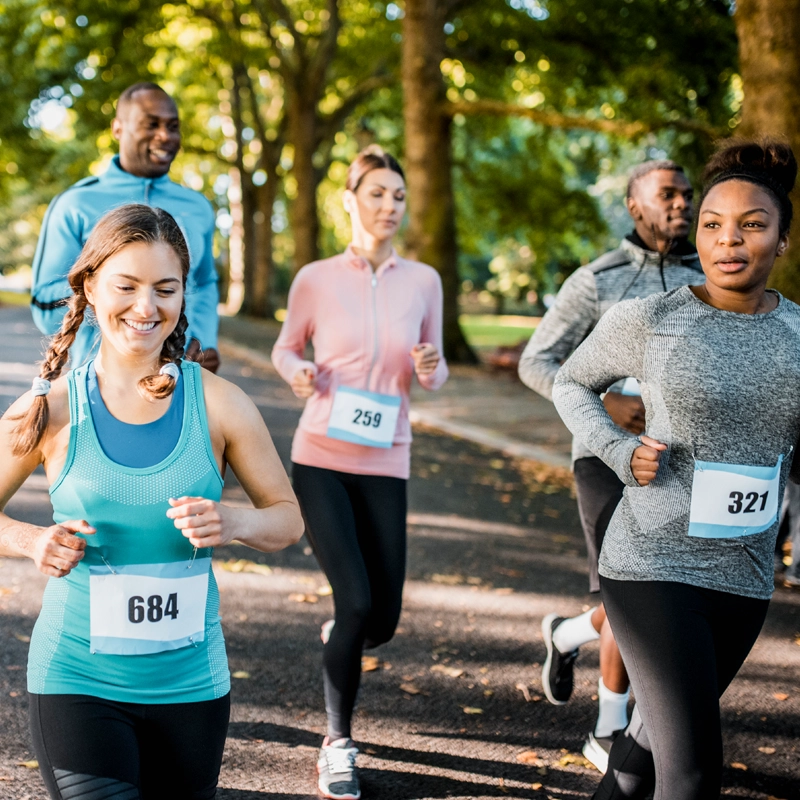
(682,646)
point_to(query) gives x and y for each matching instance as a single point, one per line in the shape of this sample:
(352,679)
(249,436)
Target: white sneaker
(597,748)
(325,630)
(337,770)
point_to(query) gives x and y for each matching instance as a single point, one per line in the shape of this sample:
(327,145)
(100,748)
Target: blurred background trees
(517,121)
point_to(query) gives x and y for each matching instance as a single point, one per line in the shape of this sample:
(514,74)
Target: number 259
(739,498)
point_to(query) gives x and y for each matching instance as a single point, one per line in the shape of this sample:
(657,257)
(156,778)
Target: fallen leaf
(371,752)
(536,786)
(536,698)
(13,694)
(242,617)
(572,758)
(28,764)
(502,785)
(448,580)
(474,581)
(739,765)
(509,573)
(780,696)
(497,463)
(13,667)
(529,757)
(370,663)
(409,688)
(768,750)
(241,675)
(22,637)
(299,597)
(6,778)
(245,565)
(542,771)
(472,710)
(552,512)
(488,692)
(451,672)
(525,693)
(325,591)
(504,590)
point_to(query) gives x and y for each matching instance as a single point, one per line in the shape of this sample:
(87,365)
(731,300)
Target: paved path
(494,545)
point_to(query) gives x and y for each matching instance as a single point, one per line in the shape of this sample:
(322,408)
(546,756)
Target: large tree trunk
(302,135)
(769,55)
(432,229)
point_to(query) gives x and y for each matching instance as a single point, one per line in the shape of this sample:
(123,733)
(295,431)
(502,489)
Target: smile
(140,326)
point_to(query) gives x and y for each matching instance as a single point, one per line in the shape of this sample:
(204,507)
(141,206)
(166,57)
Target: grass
(489,330)
(15,298)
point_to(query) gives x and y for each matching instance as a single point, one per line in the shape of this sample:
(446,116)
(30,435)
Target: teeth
(140,326)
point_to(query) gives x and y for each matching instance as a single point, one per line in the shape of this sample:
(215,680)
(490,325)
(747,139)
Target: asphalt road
(453,701)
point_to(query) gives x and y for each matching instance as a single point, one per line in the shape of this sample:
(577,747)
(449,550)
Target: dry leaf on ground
(299,597)
(28,764)
(22,637)
(370,663)
(245,565)
(525,693)
(451,672)
(780,696)
(529,757)
(325,591)
(409,688)
(768,750)
(739,765)
(472,710)
(448,580)
(536,786)
(241,675)
(572,758)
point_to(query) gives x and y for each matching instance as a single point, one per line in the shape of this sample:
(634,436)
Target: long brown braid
(125,225)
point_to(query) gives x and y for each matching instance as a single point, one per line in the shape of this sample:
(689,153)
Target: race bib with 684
(362,417)
(730,500)
(138,609)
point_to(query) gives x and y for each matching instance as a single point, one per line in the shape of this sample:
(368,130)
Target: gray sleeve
(565,325)
(613,351)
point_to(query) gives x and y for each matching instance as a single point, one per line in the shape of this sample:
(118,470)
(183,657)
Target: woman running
(687,564)
(127,672)
(374,320)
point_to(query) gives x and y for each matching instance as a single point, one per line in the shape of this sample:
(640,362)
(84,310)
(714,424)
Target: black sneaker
(558,667)
(597,748)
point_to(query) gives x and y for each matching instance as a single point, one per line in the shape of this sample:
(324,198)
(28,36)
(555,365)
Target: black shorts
(91,748)
(599,492)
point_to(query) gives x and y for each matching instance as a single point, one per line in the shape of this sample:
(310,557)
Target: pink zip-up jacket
(362,326)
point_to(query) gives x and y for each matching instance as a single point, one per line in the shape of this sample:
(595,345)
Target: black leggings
(89,748)
(682,646)
(357,527)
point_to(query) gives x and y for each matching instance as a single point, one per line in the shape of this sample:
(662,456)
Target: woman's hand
(426,358)
(57,551)
(303,383)
(644,461)
(204,523)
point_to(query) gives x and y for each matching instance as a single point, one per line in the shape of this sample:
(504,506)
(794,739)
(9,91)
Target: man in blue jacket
(148,131)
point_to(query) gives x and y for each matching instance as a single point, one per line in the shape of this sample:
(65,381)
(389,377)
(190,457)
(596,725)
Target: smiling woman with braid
(127,670)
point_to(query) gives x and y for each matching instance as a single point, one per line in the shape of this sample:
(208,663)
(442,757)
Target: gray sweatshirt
(718,387)
(627,272)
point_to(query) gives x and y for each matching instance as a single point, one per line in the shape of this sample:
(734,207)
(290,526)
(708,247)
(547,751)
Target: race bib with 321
(362,417)
(730,500)
(147,608)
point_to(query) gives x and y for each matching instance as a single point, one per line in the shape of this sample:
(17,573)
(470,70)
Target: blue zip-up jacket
(69,221)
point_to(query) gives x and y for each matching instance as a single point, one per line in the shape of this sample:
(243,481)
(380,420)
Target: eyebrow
(136,280)
(751,211)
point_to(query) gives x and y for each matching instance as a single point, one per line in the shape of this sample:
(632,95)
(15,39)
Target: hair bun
(771,156)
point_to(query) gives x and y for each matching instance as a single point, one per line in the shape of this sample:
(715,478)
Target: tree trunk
(302,135)
(432,228)
(769,56)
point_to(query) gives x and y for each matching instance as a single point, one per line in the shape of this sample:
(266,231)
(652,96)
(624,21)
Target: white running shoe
(597,748)
(337,770)
(325,630)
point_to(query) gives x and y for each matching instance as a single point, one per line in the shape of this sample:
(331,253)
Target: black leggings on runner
(89,748)
(357,527)
(682,645)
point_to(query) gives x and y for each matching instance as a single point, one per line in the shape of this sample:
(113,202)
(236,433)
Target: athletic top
(717,387)
(70,219)
(627,272)
(132,445)
(69,651)
(362,326)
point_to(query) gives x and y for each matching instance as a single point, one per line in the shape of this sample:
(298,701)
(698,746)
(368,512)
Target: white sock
(574,632)
(613,714)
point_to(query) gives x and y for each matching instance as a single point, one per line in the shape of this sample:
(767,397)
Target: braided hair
(128,224)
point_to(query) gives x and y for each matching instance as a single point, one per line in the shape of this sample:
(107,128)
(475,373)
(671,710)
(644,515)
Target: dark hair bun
(771,156)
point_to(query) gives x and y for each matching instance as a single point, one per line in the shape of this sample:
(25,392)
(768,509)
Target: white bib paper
(148,608)
(362,417)
(730,500)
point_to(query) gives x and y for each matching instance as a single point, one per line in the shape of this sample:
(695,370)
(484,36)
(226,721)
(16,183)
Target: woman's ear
(349,201)
(783,243)
(88,291)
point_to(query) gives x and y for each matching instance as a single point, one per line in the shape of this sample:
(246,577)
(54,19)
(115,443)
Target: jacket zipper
(374,284)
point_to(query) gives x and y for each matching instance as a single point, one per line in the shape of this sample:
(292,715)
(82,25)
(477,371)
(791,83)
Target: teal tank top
(138,619)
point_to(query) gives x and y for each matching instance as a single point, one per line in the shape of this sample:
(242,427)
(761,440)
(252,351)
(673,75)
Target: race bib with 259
(362,417)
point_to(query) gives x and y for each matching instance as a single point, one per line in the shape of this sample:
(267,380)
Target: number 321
(738,498)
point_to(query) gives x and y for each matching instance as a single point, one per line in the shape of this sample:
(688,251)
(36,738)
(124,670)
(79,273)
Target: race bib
(147,608)
(729,500)
(363,417)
